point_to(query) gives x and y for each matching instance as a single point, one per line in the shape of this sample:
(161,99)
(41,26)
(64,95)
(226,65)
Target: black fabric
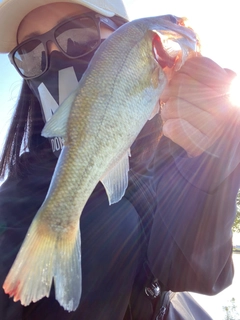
(110,250)
(194,219)
(58,61)
(190,232)
(181,306)
(55,84)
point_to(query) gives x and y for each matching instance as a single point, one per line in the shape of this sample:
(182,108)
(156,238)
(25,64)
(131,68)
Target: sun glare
(235,92)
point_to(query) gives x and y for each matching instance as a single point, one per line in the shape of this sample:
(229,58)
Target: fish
(117,95)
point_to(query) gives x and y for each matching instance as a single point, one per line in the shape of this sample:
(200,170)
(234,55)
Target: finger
(203,97)
(200,119)
(185,135)
(207,72)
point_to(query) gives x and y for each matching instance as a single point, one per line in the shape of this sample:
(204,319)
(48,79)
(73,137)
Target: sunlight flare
(234,93)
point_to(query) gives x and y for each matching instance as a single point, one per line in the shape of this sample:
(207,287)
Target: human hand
(197,107)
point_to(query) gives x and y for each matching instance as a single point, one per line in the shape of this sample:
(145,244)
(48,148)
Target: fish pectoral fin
(45,256)
(57,125)
(116,180)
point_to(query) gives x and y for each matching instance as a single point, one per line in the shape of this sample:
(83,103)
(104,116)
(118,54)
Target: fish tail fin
(67,271)
(43,257)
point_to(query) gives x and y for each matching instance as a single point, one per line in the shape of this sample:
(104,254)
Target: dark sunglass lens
(30,58)
(78,37)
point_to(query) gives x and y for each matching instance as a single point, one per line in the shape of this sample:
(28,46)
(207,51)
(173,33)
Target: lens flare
(234,93)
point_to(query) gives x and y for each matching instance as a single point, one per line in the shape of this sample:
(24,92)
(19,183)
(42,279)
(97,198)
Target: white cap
(13,11)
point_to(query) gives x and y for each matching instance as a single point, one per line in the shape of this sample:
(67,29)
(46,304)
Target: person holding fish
(121,164)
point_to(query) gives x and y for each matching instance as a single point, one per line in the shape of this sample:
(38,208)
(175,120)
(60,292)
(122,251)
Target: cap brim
(13,11)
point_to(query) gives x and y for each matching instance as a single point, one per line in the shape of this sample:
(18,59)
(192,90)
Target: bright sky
(216,23)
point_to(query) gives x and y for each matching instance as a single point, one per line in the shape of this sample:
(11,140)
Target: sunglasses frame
(50,36)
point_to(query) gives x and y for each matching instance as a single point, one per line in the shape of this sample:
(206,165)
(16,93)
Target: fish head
(172,40)
(132,67)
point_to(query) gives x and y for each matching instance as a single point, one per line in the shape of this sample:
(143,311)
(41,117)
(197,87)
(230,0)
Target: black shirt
(177,213)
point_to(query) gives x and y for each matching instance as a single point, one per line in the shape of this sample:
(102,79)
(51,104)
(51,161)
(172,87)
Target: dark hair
(24,133)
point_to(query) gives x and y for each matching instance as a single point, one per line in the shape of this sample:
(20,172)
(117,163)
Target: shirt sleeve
(211,168)
(190,247)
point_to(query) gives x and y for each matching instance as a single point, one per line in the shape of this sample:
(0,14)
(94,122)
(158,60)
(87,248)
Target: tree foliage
(236,225)
(231,312)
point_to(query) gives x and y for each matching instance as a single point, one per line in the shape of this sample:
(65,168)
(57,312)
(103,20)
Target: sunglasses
(75,38)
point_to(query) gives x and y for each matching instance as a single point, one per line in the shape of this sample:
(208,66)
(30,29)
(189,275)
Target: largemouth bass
(116,96)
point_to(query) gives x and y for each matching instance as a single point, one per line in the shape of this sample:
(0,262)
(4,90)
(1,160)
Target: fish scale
(116,96)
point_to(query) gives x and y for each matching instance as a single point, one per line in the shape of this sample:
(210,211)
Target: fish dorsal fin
(115,181)
(57,125)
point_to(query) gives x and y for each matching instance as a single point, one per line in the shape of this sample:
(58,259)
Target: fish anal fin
(115,181)
(42,258)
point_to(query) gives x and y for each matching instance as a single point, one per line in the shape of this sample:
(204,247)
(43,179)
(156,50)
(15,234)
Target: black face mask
(56,84)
